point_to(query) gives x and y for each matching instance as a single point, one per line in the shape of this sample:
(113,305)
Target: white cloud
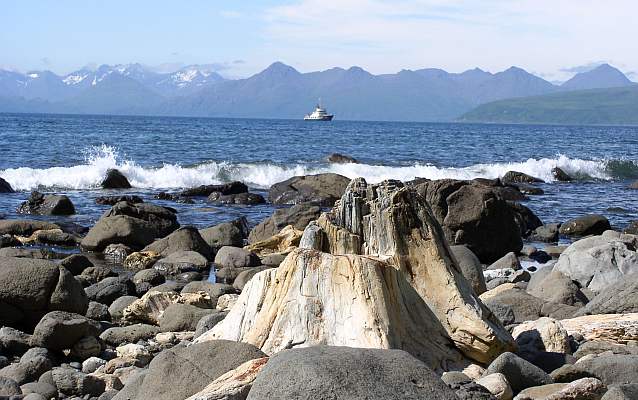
(385,36)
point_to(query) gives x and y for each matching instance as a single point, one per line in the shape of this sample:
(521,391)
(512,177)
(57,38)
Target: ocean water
(70,155)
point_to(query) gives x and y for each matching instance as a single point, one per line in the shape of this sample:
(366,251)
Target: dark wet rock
(471,391)
(162,219)
(560,175)
(190,276)
(223,189)
(235,257)
(28,252)
(545,233)
(76,263)
(14,342)
(115,180)
(244,276)
(471,267)
(224,234)
(49,204)
(183,239)
(519,177)
(59,330)
(227,275)
(207,322)
(520,373)
(113,200)
(120,229)
(540,257)
(619,298)
(180,262)
(299,216)
(98,312)
(373,374)
(24,227)
(9,241)
(182,317)
(337,158)
(237,199)
(129,334)
(474,215)
(556,287)
(92,275)
(152,276)
(529,190)
(586,225)
(177,198)
(32,365)
(613,369)
(180,372)
(321,189)
(108,290)
(118,305)
(75,383)
(525,218)
(31,288)
(5,187)
(632,228)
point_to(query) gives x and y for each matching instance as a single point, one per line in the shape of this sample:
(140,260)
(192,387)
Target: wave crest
(263,175)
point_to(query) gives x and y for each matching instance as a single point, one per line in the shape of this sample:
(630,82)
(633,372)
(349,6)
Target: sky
(551,38)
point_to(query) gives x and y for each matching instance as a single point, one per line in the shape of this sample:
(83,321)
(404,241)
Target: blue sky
(552,38)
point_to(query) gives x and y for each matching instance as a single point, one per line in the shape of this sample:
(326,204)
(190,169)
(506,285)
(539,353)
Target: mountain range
(280,91)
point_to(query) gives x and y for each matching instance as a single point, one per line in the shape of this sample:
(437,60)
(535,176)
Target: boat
(319,114)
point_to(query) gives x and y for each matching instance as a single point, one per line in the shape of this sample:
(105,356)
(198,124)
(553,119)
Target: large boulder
(299,216)
(162,219)
(397,272)
(320,189)
(49,204)
(524,306)
(224,234)
(59,330)
(520,374)
(183,371)
(600,261)
(551,285)
(474,215)
(31,366)
(5,187)
(471,267)
(182,317)
(235,257)
(114,179)
(183,239)
(317,373)
(619,298)
(120,229)
(593,224)
(612,369)
(30,288)
(223,189)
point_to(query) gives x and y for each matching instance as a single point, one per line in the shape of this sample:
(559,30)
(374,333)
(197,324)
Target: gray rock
(47,391)
(337,158)
(619,298)
(75,383)
(592,224)
(119,229)
(235,257)
(320,189)
(128,334)
(234,187)
(520,276)
(208,321)
(117,253)
(108,290)
(91,364)
(519,177)
(545,233)
(632,228)
(622,392)
(9,387)
(114,179)
(76,263)
(183,239)
(224,234)
(50,204)
(600,261)
(317,373)
(98,312)
(182,317)
(118,305)
(93,275)
(32,364)
(59,330)
(238,199)
(598,346)
(244,276)
(556,287)
(30,288)
(524,306)
(163,220)
(569,373)
(614,369)
(180,372)
(181,261)
(24,227)
(298,216)
(520,374)
(150,275)
(214,290)
(13,341)
(471,267)
(272,260)
(509,260)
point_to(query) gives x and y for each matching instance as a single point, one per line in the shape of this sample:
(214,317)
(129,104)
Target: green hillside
(614,106)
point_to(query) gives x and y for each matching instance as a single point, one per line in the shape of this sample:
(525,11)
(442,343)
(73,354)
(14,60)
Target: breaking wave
(262,175)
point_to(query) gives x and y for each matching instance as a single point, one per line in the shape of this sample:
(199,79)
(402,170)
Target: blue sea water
(70,154)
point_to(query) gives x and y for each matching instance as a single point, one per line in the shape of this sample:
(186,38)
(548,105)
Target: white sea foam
(262,175)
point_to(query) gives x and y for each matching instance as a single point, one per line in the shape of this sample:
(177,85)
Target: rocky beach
(422,289)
